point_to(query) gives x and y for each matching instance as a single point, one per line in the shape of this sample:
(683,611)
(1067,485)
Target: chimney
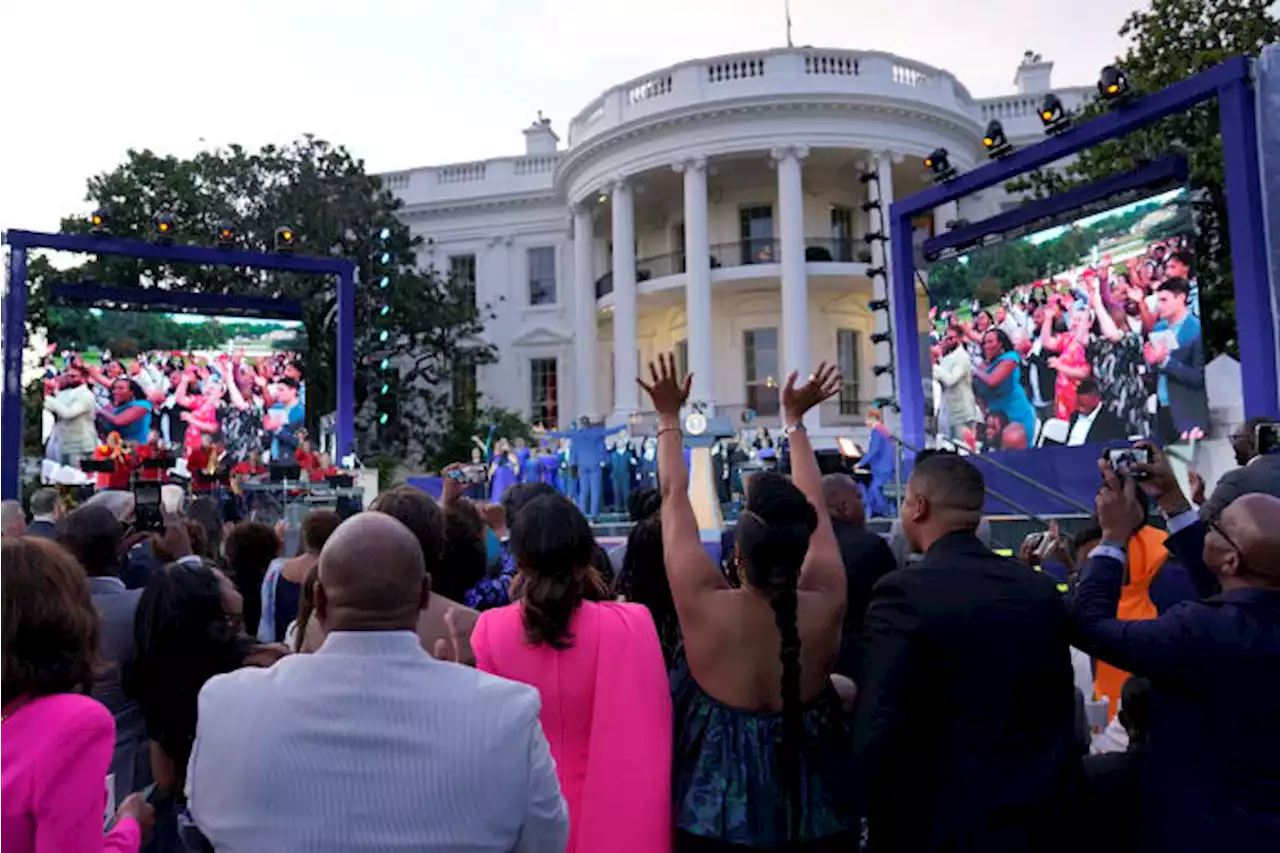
(539,138)
(1033,74)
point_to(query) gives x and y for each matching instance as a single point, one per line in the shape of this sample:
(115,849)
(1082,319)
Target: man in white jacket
(954,372)
(72,407)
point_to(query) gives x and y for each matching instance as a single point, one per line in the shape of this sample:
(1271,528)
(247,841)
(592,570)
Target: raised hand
(666,390)
(1158,480)
(822,385)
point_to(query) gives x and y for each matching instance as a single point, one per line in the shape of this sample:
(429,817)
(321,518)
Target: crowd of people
(445,676)
(215,413)
(1104,352)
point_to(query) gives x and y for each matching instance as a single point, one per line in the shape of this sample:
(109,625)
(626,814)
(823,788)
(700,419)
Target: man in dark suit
(1180,368)
(964,725)
(1092,421)
(1259,470)
(45,511)
(1211,774)
(93,535)
(866,558)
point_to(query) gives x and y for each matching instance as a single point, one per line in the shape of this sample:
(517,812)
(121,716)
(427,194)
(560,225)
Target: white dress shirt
(1080,429)
(370,744)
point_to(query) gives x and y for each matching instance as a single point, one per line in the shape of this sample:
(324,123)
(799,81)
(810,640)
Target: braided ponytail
(784,613)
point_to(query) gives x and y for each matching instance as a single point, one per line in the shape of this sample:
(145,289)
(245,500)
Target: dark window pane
(542,275)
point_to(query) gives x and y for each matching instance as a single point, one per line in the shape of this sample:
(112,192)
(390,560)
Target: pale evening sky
(421,82)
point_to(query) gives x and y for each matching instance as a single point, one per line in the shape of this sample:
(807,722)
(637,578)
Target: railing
(826,249)
(537,164)
(398,181)
(460,173)
(741,253)
(781,72)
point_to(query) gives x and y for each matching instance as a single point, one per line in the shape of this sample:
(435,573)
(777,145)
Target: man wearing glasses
(1210,777)
(1259,462)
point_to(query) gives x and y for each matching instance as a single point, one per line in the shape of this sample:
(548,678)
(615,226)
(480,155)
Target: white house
(715,208)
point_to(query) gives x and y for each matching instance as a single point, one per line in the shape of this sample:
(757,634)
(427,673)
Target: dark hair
(1135,708)
(419,512)
(93,536)
(1091,532)
(306,604)
(643,502)
(317,527)
(773,535)
(952,482)
(290,381)
(1181,256)
(464,560)
(552,544)
(1088,386)
(204,512)
(182,638)
(135,390)
(643,579)
(514,498)
(250,547)
(1176,285)
(991,321)
(50,625)
(1006,345)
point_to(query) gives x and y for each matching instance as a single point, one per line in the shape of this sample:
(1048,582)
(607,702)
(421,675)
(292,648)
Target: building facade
(717,209)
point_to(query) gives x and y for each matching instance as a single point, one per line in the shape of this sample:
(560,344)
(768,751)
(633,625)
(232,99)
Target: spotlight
(882,369)
(384,364)
(162,222)
(382,419)
(873,236)
(872,272)
(384,234)
(225,235)
(1113,84)
(878,305)
(881,337)
(868,177)
(1052,115)
(868,206)
(285,239)
(885,403)
(996,143)
(939,165)
(98,221)
(385,388)
(384,282)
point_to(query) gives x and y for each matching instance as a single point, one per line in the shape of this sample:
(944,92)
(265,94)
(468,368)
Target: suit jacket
(867,558)
(965,719)
(43,529)
(1106,427)
(370,744)
(1261,475)
(116,606)
(1210,779)
(1185,373)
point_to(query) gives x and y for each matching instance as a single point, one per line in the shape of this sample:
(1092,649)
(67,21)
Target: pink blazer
(53,770)
(606,712)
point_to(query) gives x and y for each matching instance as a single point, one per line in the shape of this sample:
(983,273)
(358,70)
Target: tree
(335,208)
(1172,40)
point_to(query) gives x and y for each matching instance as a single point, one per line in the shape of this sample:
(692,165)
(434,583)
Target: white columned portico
(880,257)
(626,394)
(795,288)
(697,253)
(584,312)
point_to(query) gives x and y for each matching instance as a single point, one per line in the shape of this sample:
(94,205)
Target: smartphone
(146,507)
(1122,459)
(1266,438)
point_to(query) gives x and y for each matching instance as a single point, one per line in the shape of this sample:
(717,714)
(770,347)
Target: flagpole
(787,6)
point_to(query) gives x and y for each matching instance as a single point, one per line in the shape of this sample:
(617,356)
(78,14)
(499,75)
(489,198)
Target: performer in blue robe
(589,453)
(620,462)
(879,461)
(503,473)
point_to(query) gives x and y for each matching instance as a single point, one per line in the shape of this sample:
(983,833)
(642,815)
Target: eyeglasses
(1216,526)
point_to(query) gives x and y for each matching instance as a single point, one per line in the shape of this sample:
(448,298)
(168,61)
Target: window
(848,342)
(677,247)
(462,271)
(542,276)
(756,230)
(465,391)
(842,233)
(682,357)
(761,347)
(544,397)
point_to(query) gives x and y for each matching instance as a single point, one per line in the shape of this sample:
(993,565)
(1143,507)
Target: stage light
(384,282)
(98,221)
(162,222)
(885,403)
(225,235)
(939,165)
(868,177)
(878,305)
(385,258)
(385,310)
(872,236)
(1113,84)
(383,335)
(996,143)
(385,388)
(881,337)
(382,419)
(285,239)
(384,364)
(882,369)
(384,234)
(868,206)
(1052,115)
(872,272)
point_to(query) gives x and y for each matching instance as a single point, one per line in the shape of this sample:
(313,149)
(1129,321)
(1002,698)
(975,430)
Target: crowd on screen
(1103,352)
(399,683)
(228,412)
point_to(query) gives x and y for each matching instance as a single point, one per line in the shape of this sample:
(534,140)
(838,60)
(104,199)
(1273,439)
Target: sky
(405,83)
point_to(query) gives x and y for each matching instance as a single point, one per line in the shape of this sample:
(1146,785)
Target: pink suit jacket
(606,712)
(57,750)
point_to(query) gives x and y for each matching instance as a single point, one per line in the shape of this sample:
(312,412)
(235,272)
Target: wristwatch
(791,428)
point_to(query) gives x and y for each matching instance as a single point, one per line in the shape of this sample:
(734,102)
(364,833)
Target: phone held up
(146,507)
(1122,459)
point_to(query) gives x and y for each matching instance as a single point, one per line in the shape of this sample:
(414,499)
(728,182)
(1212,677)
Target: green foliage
(1172,40)
(457,442)
(336,209)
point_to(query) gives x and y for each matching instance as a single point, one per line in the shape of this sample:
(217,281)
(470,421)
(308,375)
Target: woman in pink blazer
(57,743)
(606,702)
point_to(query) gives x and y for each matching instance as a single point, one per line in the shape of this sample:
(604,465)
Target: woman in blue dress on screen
(502,470)
(998,381)
(129,413)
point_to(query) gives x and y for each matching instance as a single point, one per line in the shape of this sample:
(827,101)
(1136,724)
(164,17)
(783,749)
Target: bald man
(1210,778)
(964,723)
(866,557)
(370,743)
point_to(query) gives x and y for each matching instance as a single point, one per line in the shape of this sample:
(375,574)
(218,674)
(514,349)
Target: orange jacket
(1146,555)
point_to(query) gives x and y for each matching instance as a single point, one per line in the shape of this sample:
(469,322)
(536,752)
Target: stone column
(626,394)
(585,353)
(795,288)
(697,287)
